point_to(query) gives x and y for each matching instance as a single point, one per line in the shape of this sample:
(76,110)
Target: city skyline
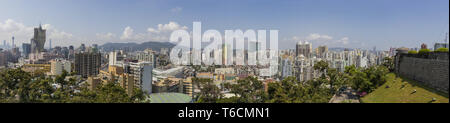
(382,24)
(224,60)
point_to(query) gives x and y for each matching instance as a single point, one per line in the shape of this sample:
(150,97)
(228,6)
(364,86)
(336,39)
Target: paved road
(347,96)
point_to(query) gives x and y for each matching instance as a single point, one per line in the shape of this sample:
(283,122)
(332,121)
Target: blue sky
(336,23)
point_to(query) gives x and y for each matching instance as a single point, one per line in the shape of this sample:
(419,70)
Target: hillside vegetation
(398,90)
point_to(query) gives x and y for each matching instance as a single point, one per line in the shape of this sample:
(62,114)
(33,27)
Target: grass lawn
(401,91)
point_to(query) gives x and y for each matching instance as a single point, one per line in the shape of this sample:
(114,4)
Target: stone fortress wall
(430,69)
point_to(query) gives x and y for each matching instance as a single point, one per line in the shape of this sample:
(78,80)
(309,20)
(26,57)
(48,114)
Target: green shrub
(422,51)
(442,49)
(412,52)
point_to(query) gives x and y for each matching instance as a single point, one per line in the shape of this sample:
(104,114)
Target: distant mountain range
(156,46)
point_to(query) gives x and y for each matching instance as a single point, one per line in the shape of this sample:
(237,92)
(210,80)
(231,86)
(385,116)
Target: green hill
(398,90)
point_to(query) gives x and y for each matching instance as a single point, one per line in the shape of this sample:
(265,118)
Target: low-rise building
(36,68)
(93,82)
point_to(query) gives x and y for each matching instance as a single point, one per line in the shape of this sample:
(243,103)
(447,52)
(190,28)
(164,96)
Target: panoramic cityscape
(224,52)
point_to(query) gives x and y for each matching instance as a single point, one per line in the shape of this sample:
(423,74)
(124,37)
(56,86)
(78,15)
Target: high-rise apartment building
(146,56)
(321,51)
(3,58)
(87,63)
(304,49)
(142,73)
(115,58)
(126,81)
(58,65)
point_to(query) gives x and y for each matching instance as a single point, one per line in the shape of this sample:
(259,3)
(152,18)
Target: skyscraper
(26,48)
(115,58)
(297,48)
(82,48)
(13,45)
(38,40)
(71,52)
(227,54)
(304,49)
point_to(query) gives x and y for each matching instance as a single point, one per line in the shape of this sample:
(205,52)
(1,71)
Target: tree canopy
(412,52)
(422,51)
(20,87)
(442,49)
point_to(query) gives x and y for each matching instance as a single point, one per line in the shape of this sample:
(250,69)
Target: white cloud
(176,9)
(127,33)
(160,33)
(171,26)
(23,33)
(105,36)
(316,36)
(343,40)
(321,39)
(11,28)
(295,38)
(55,34)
